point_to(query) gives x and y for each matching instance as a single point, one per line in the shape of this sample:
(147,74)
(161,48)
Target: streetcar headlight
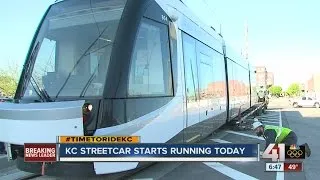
(86,111)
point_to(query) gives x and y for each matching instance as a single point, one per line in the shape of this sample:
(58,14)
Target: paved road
(304,121)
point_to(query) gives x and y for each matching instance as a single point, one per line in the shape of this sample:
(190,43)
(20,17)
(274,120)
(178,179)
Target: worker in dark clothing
(277,135)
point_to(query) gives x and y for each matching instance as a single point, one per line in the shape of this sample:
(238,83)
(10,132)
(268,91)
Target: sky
(19,21)
(283,35)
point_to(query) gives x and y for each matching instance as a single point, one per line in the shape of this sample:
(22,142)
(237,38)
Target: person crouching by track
(277,135)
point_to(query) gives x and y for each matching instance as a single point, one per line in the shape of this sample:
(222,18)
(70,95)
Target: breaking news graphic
(40,152)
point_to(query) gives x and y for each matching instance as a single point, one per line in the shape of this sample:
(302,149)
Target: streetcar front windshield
(74,47)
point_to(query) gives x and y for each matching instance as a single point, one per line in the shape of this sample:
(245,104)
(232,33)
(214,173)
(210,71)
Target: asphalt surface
(304,121)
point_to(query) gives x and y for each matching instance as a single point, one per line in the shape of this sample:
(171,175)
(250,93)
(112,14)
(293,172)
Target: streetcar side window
(150,70)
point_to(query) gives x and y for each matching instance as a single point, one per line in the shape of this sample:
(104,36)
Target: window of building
(150,71)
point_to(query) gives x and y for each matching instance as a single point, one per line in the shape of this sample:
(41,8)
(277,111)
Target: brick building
(310,84)
(261,76)
(313,85)
(270,79)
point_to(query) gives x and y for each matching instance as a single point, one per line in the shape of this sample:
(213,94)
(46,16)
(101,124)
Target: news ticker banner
(126,149)
(284,167)
(158,152)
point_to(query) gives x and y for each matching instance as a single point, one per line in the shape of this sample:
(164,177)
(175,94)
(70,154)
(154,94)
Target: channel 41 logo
(280,152)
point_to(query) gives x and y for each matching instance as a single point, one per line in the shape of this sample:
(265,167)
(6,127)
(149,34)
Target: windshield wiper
(84,90)
(37,91)
(78,61)
(27,68)
(41,92)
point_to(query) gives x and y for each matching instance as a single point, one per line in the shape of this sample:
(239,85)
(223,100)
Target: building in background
(270,79)
(313,86)
(309,84)
(261,76)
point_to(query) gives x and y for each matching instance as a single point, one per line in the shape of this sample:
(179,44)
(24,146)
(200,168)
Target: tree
(294,89)
(9,80)
(275,90)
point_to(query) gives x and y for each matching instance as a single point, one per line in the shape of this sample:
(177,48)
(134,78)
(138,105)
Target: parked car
(305,102)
